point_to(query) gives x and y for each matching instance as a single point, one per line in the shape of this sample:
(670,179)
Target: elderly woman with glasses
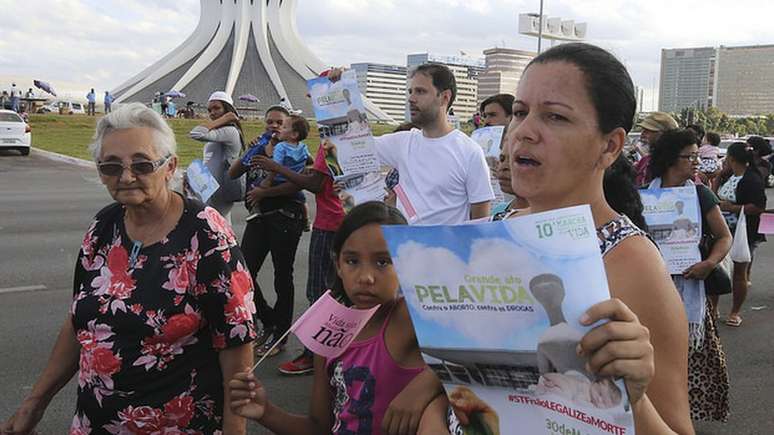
(162,306)
(674,163)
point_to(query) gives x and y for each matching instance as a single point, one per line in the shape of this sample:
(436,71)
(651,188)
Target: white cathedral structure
(241,47)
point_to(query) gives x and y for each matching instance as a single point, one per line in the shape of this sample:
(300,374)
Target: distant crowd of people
(168,314)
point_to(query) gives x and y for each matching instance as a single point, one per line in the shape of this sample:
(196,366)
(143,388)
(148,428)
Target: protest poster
(346,138)
(766,226)
(201,183)
(490,140)
(327,328)
(496,309)
(674,221)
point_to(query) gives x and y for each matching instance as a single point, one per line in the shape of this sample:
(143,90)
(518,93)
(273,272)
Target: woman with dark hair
(761,148)
(620,186)
(674,163)
(224,143)
(574,106)
(742,189)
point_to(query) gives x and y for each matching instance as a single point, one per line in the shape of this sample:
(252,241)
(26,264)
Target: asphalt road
(45,207)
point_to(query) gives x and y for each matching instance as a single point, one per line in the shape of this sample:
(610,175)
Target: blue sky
(77,44)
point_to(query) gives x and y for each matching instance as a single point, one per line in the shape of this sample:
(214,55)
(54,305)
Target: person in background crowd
(761,150)
(290,152)
(709,152)
(455,187)
(328,218)
(108,102)
(224,141)
(497,110)
(393,176)
(15,94)
(741,188)
(276,228)
(503,174)
(698,131)
(164,100)
(652,126)
(162,306)
(574,106)
(91,97)
(675,161)
(476,120)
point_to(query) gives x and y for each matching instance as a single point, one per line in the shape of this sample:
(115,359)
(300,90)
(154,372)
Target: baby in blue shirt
(290,152)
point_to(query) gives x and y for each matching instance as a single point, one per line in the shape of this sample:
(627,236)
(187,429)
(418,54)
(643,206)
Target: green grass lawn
(72,134)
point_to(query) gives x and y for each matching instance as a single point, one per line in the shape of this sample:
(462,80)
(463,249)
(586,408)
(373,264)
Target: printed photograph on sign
(343,123)
(674,221)
(490,140)
(496,310)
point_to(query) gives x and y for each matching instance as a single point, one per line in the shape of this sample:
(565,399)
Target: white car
(14,132)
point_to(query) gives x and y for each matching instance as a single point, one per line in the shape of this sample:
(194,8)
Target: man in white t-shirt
(444,178)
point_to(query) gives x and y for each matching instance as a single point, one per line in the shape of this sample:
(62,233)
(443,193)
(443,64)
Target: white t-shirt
(440,177)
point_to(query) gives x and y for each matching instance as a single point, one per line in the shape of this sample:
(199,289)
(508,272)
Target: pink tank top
(364,380)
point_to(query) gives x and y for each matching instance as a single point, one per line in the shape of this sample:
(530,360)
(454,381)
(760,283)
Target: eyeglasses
(691,157)
(141,167)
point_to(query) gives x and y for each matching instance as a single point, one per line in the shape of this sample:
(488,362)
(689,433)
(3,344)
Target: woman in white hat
(225,142)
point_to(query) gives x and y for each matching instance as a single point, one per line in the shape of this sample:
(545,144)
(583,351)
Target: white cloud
(69,40)
(495,257)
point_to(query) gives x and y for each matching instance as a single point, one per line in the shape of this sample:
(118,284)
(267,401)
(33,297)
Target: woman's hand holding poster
(496,310)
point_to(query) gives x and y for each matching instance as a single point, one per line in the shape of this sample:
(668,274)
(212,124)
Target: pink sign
(328,327)
(767,224)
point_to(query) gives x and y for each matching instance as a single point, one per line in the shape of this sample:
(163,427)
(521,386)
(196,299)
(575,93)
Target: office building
(739,81)
(745,80)
(385,86)
(504,67)
(687,78)
(466,72)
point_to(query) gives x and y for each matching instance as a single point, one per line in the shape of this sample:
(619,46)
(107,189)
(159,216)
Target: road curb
(64,158)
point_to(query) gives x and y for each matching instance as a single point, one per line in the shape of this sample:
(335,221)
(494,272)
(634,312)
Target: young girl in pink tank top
(380,384)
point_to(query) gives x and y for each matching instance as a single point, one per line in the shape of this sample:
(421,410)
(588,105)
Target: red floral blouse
(150,327)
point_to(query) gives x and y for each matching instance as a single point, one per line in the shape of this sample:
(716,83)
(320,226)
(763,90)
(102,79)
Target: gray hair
(135,115)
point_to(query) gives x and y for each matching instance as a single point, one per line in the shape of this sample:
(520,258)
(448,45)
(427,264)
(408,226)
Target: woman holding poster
(674,162)
(574,106)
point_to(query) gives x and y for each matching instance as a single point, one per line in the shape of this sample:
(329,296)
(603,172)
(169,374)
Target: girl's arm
(405,411)
(232,360)
(248,399)
(61,366)
(653,358)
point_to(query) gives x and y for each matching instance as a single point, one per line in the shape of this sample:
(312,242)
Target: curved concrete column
(219,51)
